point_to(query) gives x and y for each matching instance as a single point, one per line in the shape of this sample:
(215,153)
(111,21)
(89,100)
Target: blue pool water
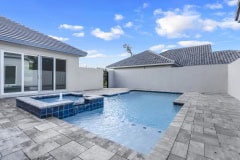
(56,98)
(136,119)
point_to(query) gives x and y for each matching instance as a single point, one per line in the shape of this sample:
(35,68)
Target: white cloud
(198,35)
(231,2)
(115,33)
(71,27)
(80,34)
(125,54)
(157,11)
(95,54)
(173,24)
(181,23)
(161,47)
(229,23)
(59,38)
(220,13)
(214,6)
(208,24)
(128,25)
(145,5)
(118,17)
(192,43)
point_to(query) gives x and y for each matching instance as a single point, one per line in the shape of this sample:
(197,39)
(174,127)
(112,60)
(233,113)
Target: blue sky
(102,27)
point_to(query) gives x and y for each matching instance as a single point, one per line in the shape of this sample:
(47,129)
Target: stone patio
(207,127)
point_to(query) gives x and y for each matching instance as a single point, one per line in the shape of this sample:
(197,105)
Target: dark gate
(105,79)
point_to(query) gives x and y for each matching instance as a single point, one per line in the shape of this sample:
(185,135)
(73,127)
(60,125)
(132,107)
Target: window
(12,72)
(10,75)
(30,73)
(47,73)
(60,74)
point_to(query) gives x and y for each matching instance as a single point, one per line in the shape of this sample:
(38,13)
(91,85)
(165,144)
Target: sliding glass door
(12,72)
(60,74)
(47,73)
(21,73)
(30,73)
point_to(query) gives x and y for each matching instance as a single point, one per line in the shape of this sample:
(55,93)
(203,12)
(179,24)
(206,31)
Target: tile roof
(13,32)
(146,58)
(226,57)
(189,56)
(200,55)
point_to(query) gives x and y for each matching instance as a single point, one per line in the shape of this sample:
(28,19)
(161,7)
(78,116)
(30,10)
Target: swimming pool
(136,119)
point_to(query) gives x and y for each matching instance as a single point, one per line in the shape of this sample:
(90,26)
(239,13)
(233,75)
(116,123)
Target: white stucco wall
(78,79)
(111,80)
(234,79)
(205,78)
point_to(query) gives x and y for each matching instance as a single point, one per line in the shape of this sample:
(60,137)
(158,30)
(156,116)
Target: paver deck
(206,128)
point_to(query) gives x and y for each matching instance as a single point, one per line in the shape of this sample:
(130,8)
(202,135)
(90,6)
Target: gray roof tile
(190,56)
(197,55)
(16,33)
(227,56)
(201,55)
(145,58)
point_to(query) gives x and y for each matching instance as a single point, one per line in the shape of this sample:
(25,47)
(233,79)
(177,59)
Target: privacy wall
(85,79)
(204,78)
(234,79)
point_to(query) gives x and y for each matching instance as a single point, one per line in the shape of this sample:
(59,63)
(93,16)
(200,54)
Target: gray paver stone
(180,149)
(39,150)
(68,151)
(19,155)
(96,153)
(196,147)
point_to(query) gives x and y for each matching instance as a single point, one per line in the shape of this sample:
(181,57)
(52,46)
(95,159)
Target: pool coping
(163,148)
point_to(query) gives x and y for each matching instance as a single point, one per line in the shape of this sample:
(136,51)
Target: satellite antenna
(128,48)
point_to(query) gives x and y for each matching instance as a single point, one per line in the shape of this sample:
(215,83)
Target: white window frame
(3,73)
(2,78)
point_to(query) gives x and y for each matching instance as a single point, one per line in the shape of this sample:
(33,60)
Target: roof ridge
(161,56)
(146,57)
(188,48)
(227,50)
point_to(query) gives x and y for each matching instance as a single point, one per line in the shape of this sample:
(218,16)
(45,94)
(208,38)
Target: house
(32,63)
(190,69)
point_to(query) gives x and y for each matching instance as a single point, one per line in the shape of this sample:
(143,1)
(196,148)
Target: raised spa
(59,105)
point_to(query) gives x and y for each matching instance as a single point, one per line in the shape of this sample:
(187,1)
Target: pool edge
(164,146)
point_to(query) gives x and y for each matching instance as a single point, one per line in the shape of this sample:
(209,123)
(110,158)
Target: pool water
(56,98)
(136,119)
